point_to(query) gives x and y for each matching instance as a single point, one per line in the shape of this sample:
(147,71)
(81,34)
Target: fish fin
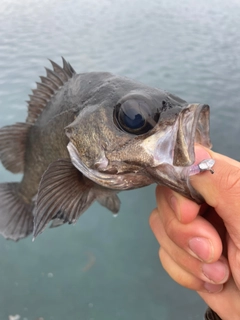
(64,194)
(48,86)
(13,146)
(56,223)
(16,219)
(111,202)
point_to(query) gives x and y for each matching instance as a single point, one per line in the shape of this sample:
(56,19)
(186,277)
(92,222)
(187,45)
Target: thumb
(221,190)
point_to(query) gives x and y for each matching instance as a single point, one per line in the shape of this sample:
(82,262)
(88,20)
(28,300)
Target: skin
(200,244)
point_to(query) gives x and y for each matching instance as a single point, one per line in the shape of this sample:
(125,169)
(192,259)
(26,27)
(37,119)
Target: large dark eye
(135,116)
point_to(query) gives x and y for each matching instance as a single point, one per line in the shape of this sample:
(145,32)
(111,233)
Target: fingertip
(184,209)
(223,186)
(201,153)
(212,288)
(201,248)
(188,211)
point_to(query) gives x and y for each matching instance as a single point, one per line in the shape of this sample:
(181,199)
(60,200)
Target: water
(105,268)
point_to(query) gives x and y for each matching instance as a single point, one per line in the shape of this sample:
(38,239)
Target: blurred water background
(104,268)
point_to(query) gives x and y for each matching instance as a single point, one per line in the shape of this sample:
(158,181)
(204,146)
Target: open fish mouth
(173,144)
(193,128)
(173,152)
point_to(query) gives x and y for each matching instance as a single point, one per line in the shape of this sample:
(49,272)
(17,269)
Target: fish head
(141,137)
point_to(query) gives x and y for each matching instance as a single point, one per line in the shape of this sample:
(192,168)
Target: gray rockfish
(86,137)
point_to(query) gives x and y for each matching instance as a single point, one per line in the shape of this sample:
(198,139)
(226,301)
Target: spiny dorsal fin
(48,86)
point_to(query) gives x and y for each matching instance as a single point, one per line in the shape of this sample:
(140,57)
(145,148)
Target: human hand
(200,245)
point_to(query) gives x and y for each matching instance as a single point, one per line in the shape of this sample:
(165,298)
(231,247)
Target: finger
(226,303)
(184,209)
(221,190)
(199,237)
(221,185)
(184,278)
(234,261)
(217,272)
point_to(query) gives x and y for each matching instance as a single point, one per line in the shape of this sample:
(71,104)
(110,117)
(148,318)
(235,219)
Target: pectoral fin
(65,193)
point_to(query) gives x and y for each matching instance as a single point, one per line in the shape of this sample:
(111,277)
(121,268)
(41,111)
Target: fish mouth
(193,127)
(173,151)
(173,144)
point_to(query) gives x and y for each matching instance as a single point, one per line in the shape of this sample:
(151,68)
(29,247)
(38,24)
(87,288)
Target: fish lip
(173,143)
(193,128)
(173,169)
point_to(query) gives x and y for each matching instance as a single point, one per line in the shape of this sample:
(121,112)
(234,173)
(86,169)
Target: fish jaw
(173,152)
(125,181)
(174,144)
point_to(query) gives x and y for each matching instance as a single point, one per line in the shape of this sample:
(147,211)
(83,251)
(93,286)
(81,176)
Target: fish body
(88,136)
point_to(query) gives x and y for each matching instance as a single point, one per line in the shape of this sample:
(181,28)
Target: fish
(88,136)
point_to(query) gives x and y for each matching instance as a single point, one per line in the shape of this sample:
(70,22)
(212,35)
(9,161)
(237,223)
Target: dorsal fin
(48,86)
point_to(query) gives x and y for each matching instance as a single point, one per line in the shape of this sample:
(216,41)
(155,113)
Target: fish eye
(135,116)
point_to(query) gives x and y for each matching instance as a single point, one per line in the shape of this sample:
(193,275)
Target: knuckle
(170,227)
(177,273)
(230,180)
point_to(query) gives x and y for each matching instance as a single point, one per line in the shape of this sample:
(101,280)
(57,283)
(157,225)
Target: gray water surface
(104,268)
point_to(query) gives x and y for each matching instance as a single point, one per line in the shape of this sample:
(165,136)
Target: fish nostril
(68,131)
(164,105)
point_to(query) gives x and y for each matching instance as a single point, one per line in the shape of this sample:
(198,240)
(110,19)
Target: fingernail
(174,205)
(216,272)
(213,288)
(201,248)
